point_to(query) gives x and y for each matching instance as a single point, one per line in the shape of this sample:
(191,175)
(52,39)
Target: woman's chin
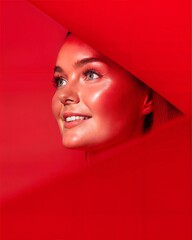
(80,145)
(73,143)
(84,146)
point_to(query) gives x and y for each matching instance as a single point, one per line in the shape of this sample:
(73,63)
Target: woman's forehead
(75,45)
(74,50)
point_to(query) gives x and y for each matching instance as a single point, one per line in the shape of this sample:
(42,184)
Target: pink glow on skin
(112,99)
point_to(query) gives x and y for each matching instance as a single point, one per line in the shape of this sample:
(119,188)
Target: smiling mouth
(76,118)
(72,120)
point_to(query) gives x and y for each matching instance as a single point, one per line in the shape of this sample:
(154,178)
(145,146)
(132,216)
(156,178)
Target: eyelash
(91,71)
(56,81)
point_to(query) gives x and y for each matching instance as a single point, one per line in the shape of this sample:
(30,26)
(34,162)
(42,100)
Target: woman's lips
(73,119)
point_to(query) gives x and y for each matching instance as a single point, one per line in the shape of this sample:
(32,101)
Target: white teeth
(73,118)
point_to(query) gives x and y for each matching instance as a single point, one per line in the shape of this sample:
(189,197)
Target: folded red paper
(140,191)
(150,39)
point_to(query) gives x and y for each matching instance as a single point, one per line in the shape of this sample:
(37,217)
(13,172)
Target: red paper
(135,191)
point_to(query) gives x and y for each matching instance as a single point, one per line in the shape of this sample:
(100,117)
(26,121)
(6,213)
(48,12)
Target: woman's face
(97,103)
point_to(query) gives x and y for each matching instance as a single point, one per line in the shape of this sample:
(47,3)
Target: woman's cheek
(55,106)
(99,96)
(56,110)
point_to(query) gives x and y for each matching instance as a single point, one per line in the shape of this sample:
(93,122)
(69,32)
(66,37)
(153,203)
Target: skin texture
(99,88)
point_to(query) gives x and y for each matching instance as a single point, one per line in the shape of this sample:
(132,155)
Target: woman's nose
(68,94)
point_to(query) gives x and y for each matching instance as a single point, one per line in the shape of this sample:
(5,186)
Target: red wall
(30,144)
(142,192)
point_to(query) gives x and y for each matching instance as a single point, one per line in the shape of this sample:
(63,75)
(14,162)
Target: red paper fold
(150,39)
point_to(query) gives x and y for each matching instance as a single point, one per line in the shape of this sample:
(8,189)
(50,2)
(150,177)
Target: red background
(141,191)
(30,142)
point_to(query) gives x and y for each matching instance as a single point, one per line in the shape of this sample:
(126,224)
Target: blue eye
(91,74)
(59,82)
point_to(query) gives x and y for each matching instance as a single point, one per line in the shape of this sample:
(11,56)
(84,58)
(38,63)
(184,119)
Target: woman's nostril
(69,101)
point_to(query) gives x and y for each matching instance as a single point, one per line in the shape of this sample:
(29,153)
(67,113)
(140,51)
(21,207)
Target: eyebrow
(85,61)
(79,63)
(58,69)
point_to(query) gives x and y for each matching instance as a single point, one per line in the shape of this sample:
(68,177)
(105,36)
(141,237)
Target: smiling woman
(98,103)
(131,179)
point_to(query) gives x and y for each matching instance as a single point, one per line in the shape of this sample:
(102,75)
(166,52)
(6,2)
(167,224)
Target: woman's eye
(91,75)
(59,82)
